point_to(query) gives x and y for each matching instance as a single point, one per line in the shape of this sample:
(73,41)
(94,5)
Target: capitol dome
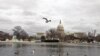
(60,27)
(60,31)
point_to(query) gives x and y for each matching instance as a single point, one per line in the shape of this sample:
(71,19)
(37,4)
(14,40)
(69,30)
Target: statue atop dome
(60,22)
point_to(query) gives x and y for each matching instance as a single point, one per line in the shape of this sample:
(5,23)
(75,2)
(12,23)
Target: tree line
(90,37)
(20,34)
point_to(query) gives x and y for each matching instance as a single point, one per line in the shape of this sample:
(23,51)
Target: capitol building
(60,31)
(57,33)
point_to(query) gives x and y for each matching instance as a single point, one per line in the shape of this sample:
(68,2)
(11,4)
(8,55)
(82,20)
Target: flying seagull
(46,20)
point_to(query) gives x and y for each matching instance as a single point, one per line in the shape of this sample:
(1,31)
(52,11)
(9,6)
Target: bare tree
(51,33)
(98,38)
(20,33)
(4,36)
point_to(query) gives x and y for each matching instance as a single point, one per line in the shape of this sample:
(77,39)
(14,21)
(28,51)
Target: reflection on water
(47,49)
(54,50)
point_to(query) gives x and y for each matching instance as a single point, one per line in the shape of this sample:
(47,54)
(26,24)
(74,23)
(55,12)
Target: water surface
(48,49)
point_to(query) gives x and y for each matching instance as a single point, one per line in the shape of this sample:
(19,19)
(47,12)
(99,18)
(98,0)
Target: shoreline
(51,43)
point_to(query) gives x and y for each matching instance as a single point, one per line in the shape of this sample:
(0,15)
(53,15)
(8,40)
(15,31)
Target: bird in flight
(46,20)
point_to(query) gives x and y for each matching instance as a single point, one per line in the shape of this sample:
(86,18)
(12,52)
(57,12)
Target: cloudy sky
(76,15)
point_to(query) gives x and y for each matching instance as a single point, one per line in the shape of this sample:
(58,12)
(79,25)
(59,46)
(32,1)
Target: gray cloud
(5,21)
(29,13)
(78,15)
